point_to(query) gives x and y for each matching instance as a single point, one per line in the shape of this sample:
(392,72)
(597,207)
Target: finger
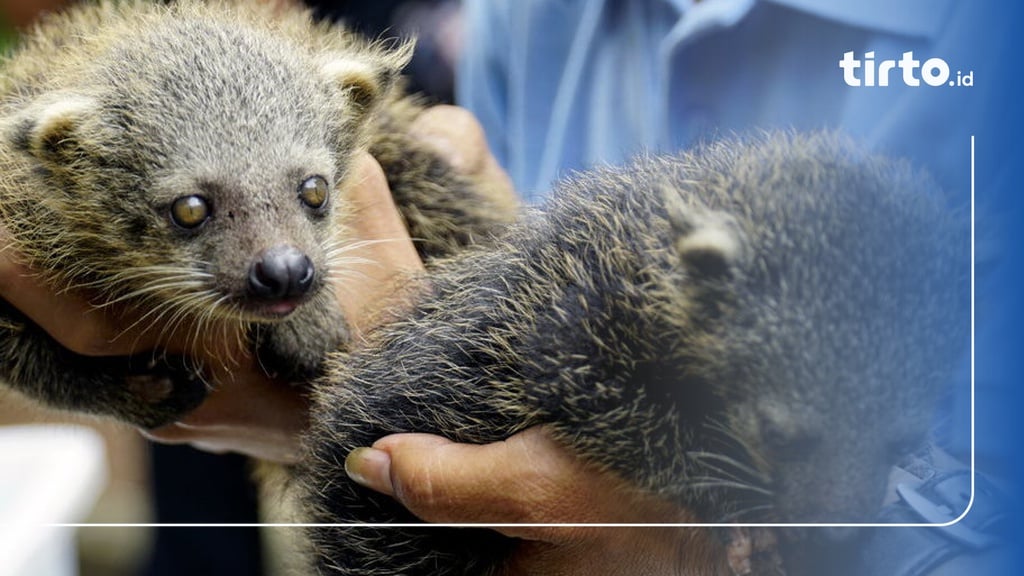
(528,478)
(67,316)
(457,136)
(441,481)
(531,479)
(381,239)
(375,215)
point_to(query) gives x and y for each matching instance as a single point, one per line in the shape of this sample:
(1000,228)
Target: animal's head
(839,285)
(198,163)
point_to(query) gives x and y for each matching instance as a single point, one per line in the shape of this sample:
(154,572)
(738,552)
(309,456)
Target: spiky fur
(754,330)
(110,111)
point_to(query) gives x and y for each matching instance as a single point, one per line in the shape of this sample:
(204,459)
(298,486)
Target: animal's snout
(280,273)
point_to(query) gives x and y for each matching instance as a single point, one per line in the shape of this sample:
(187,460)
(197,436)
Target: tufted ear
(709,243)
(367,77)
(51,130)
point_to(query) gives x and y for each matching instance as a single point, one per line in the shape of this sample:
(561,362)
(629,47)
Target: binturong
(189,163)
(756,330)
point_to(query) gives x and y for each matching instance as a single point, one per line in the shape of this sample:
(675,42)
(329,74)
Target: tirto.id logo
(933,72)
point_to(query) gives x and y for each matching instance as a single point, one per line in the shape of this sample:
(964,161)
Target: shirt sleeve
(483,71)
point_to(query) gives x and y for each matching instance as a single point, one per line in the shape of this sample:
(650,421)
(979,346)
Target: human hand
(529,479)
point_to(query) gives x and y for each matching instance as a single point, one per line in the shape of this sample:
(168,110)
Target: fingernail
(371,468)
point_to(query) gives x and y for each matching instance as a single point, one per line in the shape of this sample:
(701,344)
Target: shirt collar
(922,18)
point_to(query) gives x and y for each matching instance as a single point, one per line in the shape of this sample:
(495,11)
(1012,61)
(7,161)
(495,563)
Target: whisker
(746,513)
(142,273)
(167,312)
(347,274)
(353,261)
(346,246)
(155,288)
(159,310)
(726,474)
(728,461)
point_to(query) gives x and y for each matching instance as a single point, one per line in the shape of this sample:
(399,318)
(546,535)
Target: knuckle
(456,135)
(543,500)
(464,125)
(417,489)
(460,120)
(446,117)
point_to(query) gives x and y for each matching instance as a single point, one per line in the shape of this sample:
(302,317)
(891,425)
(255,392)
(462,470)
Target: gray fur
(110,112)
(756,330)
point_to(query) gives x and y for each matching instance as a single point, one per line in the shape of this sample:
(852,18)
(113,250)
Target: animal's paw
(164,390)
(150,388)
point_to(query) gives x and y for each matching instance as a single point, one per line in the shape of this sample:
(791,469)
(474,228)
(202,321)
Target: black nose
(281,272)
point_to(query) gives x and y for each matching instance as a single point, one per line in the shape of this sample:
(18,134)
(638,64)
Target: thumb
(525,479)
(526,484)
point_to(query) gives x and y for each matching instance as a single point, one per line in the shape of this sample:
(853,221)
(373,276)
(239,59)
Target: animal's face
(839,383)
(257,236)
(245,162)
(215,159)
(824,430)
(846,317)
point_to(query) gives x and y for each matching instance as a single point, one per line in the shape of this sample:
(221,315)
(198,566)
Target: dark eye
(190,211)
(313,192)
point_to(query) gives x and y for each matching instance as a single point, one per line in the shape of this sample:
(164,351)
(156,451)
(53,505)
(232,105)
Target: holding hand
(529,479)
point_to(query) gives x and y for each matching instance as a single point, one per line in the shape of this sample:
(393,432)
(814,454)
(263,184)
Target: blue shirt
(566,84)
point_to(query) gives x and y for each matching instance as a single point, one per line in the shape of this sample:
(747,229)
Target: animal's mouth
(263,310)
(247,308)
